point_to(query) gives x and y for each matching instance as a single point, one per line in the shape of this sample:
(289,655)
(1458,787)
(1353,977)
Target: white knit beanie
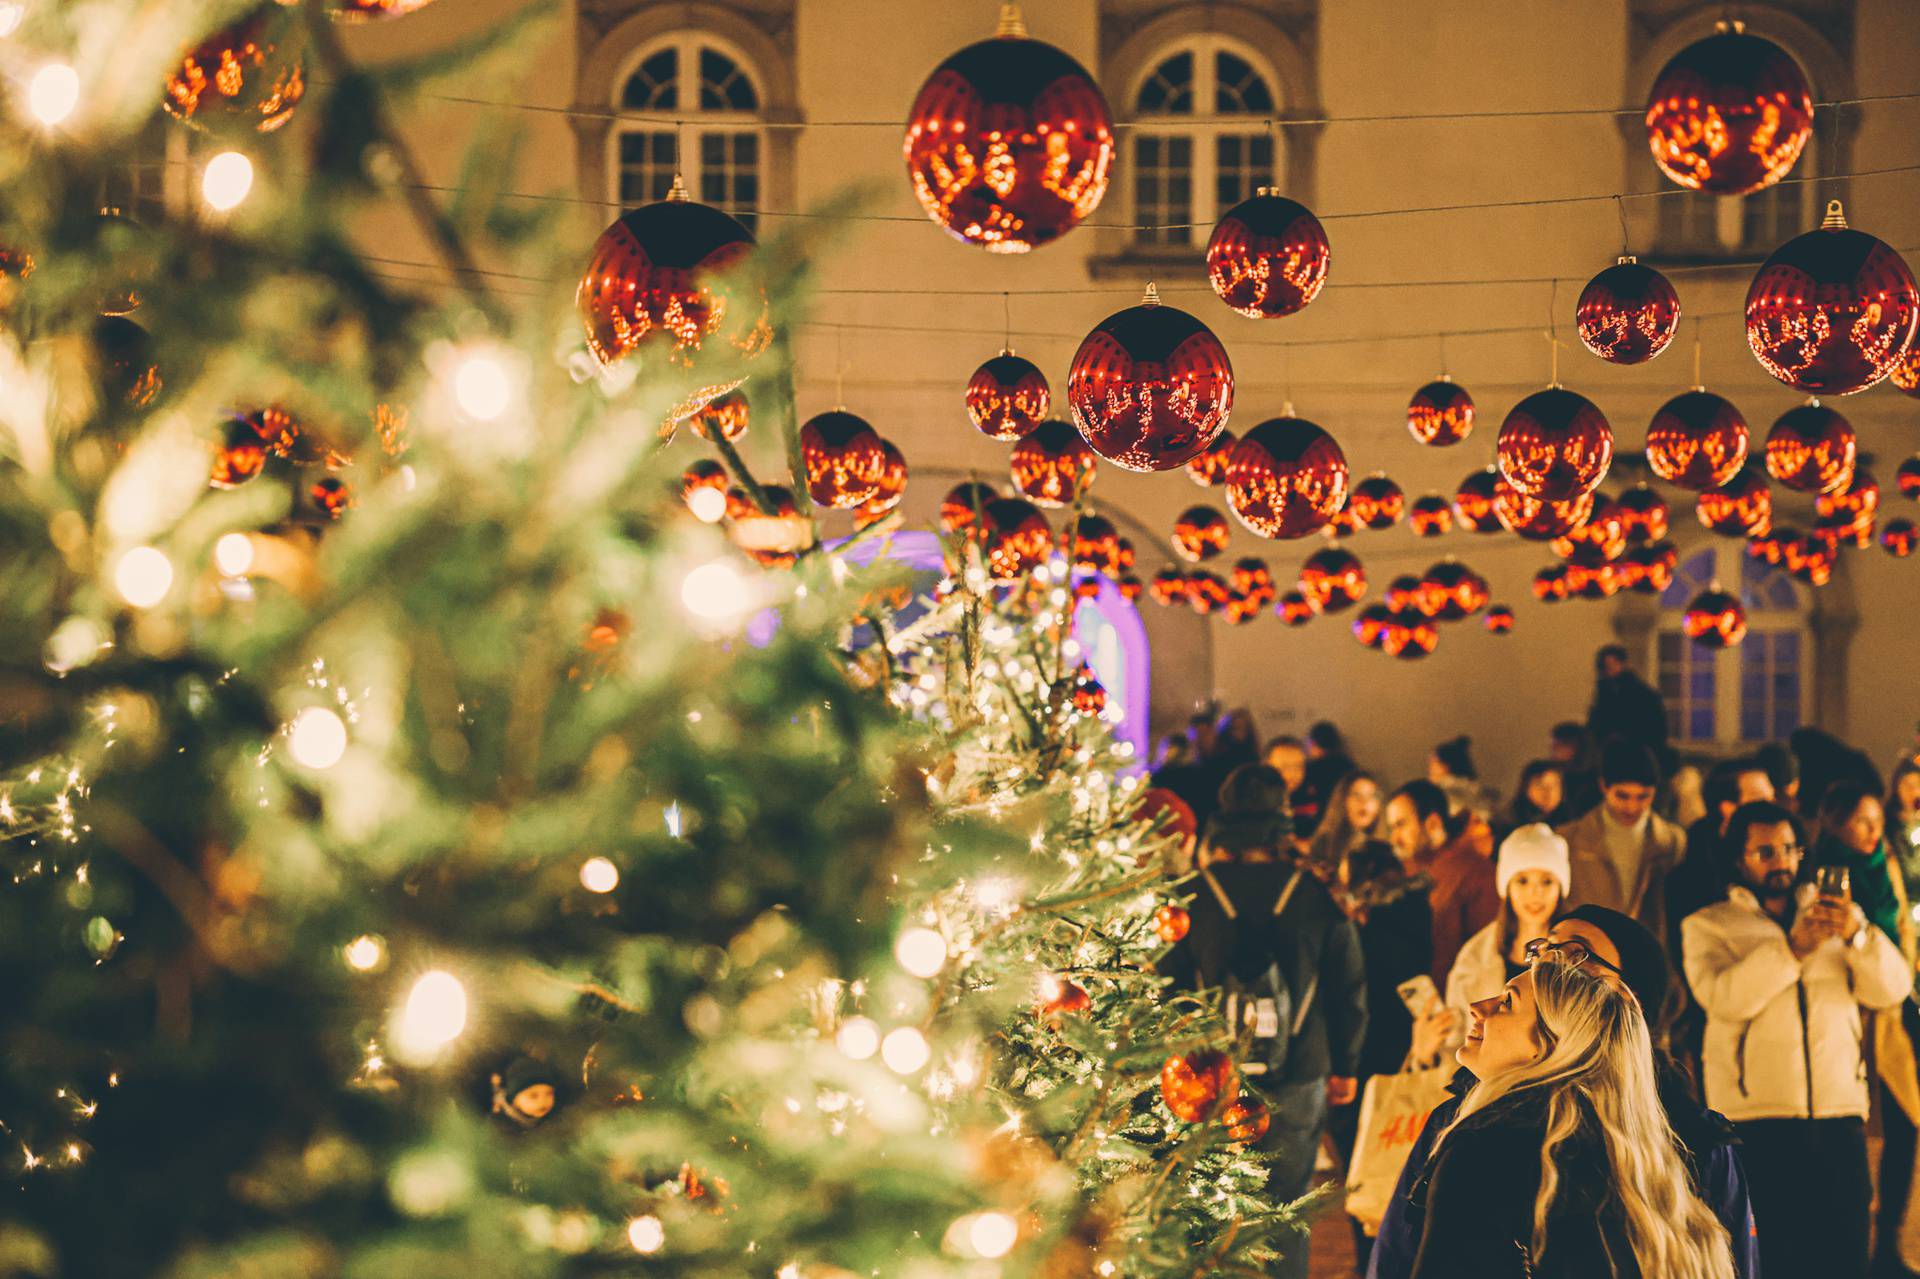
(1534,847)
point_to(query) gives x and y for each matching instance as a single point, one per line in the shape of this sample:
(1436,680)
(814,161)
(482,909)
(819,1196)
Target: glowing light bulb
(905,1050)
(708,505)
(226,180)
(992,1234)
(481,385)
(598,875)
(143,576)
(717,594)
(10,18)
(364,953)
(434,1014)
(53,93)
(646,1234)
(233,554)
(317,738)
(859,1038)
(921,951)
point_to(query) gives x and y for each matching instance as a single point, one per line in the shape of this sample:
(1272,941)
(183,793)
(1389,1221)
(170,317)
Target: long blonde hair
(1599,1062)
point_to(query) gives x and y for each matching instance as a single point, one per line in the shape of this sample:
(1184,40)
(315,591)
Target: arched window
(1201,141)
(690,75)
(1756,692)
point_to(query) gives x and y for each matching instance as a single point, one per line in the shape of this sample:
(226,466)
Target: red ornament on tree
(241,455)
(1016,539)
(1089,695)
(1007,397)
(1743,507)
(1473,502)
(1208,467)
(1332,579)
(888,492)
(331,496)
(1440,413)
(1899,537)
(1294,608)
(1729,114)
(1200,534)
(724,417)
(1715,619)
(773,538)
(1287,478)
(246,73)
(703,487)
(1499,620)
(1172,923)
(1811,449)
(1377,502)
(1369,622)
(1059,997)
(1644,514)
(1697,440)
(1246,1119)
(1008,143)
(1192,1086)
(1430,516)
(961,507)
(1052,465)
(1150,387)
(1628,313)
(1094,545)
(1554,446)
(1268,256)
(1832,311)
(843,458)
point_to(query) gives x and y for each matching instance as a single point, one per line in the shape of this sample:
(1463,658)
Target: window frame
(1728,665)
(696,123)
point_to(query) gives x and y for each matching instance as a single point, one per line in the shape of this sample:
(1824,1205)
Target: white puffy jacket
(1783,1034)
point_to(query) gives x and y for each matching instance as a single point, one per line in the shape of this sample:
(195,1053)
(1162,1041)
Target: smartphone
(1419,994)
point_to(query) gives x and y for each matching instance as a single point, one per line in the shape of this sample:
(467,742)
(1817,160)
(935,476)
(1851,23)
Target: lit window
(1755,692)
(688,75)
(1201,140)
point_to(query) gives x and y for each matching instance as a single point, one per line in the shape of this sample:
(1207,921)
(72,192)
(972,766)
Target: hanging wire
(840,366)
(1698,385)
(1006,304)
(1626,238)
(1553,334)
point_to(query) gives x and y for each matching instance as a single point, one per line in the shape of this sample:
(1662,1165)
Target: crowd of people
(1678,995)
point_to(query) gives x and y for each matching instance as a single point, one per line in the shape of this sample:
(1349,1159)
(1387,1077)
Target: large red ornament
(1715,619)
(1440,413)
(1268,256)
(961,507)
(1377,502)
(1294,608)
(843,457)
(1246,1119)
(1832,311)
(1332,579)
(1697,440)
(1499,620)
(1628,313)
(1208,467)
(1899,537)
(1150,387)
(1169,586)
(1729,114)
(1539,521)
(1008,143)
(1200,534)
(1450,591)
(1554,446)
(1743,507)
(1192,1086)
(1811,449)
(1644,514)
(1370,622)
(1053,465)
(1016,539)
(1430,516)
(887,493)
(1287,478)
(1473,502)
(1095,545)
(661,279)
(245,74)
(1007,397)
(1905,374)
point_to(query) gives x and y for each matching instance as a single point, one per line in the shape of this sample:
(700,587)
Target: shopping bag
(1392,1112)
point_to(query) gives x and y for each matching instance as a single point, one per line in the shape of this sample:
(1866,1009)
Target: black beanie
(1253,811)
(1643,964)
(1623,761)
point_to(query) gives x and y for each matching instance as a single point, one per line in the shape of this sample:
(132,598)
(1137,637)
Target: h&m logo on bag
(1402,1129)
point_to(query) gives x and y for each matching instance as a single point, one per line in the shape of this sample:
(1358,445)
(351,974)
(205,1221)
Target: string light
(226,180)
(10,18)
(53,93)
(858,1039)
(598,875)
(709,505)
(905,1050)
(717,594)
(143,576)
(921,951)
(482,386)
(433,1016)
(317,738)
(233,554)
(646,1234)
(365,953)
(993,1234)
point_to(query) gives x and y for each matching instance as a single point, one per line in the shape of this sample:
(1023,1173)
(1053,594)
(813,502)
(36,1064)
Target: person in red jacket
(1465,896)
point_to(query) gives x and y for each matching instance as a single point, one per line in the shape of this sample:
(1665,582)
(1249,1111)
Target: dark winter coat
(1628,707)
(1395,922)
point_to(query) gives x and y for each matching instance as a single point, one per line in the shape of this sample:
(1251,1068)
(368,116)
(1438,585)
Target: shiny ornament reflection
(1430,516)
(1535,520)
(1899,537)
(1052,466)
(1440,413)
(1377,502)
(1294,609)
(843,458)
(1715,619)
(1554,445)
(1332,579)
(1628,313)
(1811,449)
(1208,467)
(1199,534)
(1698,440)
(1150,387)
(1644,514)
(1267,256)
(1729,114)
(1499,620)
(1016,538)
(1907,477)
(960,508)
(1742,507)
(1007,397)
(1287,477)
(249,72)
(1473,502)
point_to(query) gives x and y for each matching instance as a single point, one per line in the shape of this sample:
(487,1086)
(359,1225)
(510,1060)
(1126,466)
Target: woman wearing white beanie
(1534,875)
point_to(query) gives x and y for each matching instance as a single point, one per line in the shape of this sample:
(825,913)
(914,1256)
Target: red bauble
(1743,507)
(1554,446)
(1729,114)
(1294,609)
(1089,695)
(656,280)
(1192,1086)
(1810,559)
(1059,997)
(1126,552)
(1539,521)
(1845,510)
(962,505)
(1094,545)
(1207,592)
(1715,619)
(1172,923)
(1169,586)
(724,417)
(1287,478)
(1697,440)
(1644,514)
(705,475)
(1409,634)
(246,73)
(1332,579)
(1593,582)
(1899,537)
(1473,502)
(1370,622)
(1267,256)
(1017,539)
(1440,413)
(1550,584)
(1008,144)
(1600,538)
(1252,578)
(1771,546)
(1905,374)
(1628,313)
(1450,591)
(1832,311)
(1649,569)
(1811,449)
(1246,1119)
(1130,587)
(1053,465)
(331,496)
(1377,502)
(242,453)
(887,493)
(1430,516)
(1403,593)
(1200,534)
(1007,397)
(1150,387)
(367,10)
(1499,620)
(843,458)
(774,539)
(1907,476)
(1208,467)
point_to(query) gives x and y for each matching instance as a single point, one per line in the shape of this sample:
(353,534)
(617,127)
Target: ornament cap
(1012,25)
(1625,259)
(677,193)
(1151,297)
(1268,191)
(1836,219)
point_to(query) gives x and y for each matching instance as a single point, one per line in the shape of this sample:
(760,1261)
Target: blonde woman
(1560,1161)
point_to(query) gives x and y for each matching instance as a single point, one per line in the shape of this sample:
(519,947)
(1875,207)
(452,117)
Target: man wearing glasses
(1783,974)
